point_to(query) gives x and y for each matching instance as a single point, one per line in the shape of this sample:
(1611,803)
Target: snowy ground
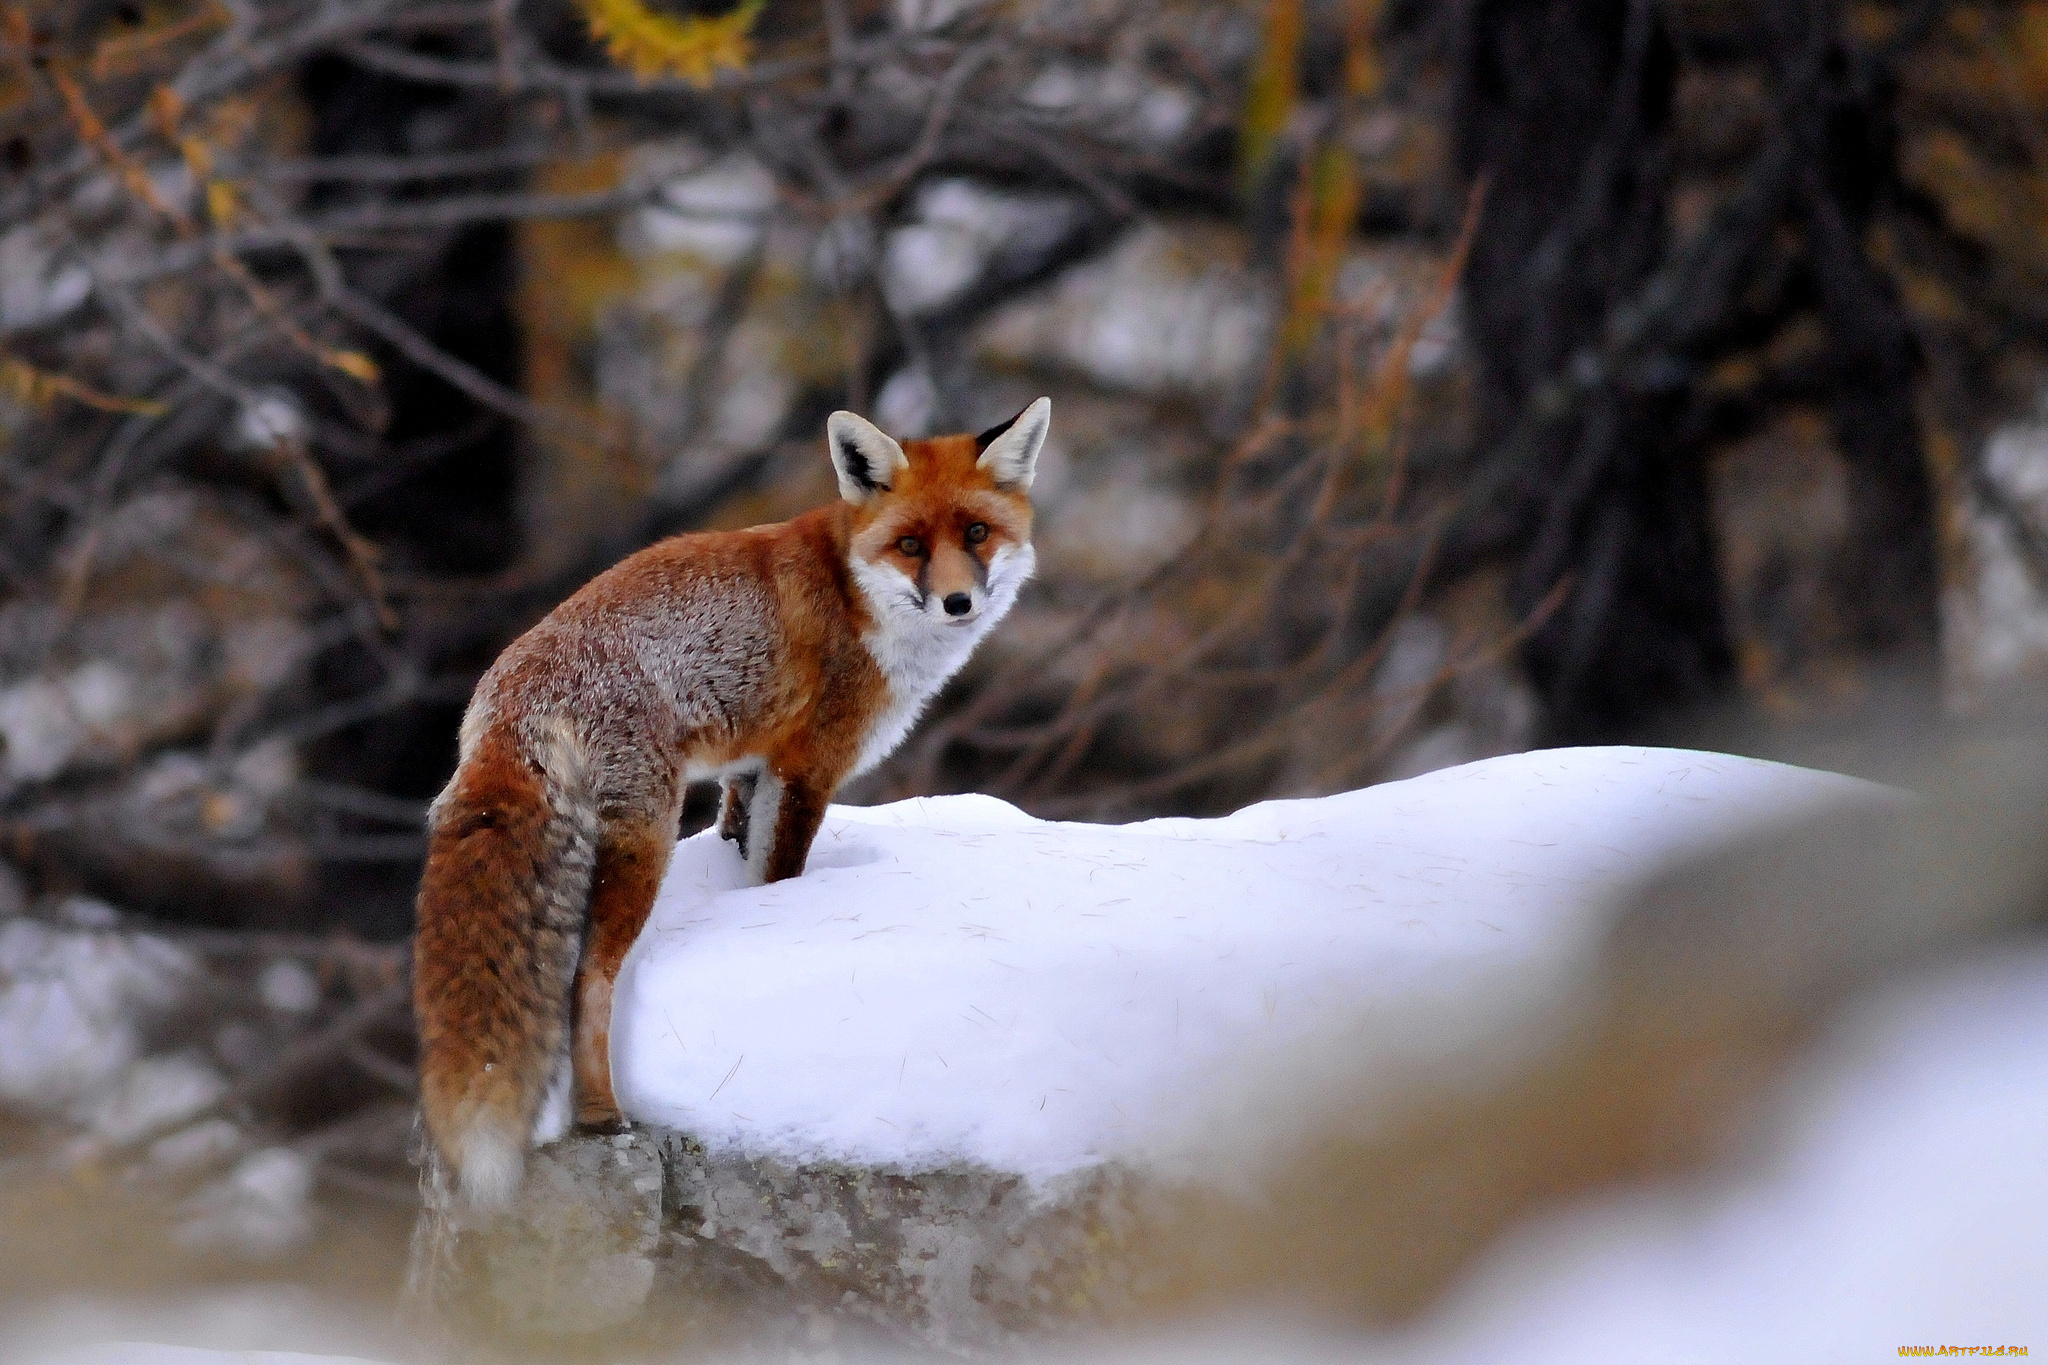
(953,980)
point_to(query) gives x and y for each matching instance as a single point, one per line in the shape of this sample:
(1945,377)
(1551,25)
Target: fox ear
(865,460)
(1010,452)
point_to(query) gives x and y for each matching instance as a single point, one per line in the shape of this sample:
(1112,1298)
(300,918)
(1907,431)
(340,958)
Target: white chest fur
(918,647)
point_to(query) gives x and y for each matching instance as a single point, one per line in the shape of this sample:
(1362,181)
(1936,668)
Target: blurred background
(1431,381)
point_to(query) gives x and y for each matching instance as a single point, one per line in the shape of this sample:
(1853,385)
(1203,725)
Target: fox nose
(958,604)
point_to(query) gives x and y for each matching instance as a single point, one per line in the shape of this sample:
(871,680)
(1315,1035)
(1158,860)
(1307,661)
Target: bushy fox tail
(502,905)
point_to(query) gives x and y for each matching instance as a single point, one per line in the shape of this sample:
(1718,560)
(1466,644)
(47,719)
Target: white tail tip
(490,1167)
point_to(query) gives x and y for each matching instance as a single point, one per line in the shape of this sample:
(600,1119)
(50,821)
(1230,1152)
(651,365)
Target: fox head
(941,528)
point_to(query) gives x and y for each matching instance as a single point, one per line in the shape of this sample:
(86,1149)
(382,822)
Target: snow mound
(70,1003)
(954,981)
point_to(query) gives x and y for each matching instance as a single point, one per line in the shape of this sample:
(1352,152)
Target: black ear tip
(988,438)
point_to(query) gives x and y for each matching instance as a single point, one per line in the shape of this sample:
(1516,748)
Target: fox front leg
(782,820)
(736,801)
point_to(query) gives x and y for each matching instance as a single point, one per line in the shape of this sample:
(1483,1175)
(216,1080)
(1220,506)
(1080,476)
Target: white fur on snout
(917,646)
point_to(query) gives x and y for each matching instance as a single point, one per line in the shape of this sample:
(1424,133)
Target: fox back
(781,660)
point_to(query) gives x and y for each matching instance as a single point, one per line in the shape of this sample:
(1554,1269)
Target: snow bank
(954,981)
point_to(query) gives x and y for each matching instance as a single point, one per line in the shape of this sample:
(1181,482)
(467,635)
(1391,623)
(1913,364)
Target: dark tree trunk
(1592,333)
(1564,108)
(1836,107)
(446,504)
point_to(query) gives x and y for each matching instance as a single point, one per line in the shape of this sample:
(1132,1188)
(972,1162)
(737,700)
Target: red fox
(781,660)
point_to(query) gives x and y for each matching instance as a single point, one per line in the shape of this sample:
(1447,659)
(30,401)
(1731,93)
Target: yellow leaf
(198,156)
(1274,91)
(221,202)
(650,44)
(354,364)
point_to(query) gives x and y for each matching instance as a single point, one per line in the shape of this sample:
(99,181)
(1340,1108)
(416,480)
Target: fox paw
(602,1123)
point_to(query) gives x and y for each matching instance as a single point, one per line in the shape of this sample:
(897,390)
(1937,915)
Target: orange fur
(630,861)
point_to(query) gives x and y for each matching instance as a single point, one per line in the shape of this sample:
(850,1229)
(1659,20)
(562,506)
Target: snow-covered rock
(954,981)
(932,1081)
(156,1093)
(1167,310)
(712,212)
(1885,1194)
(1121,101)
(959,230)
(37,286)
(72,1003)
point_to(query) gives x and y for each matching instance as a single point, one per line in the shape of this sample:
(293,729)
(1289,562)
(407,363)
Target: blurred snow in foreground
(1897,1197)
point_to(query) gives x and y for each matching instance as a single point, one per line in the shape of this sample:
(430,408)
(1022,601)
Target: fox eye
(910,545)
(977,532)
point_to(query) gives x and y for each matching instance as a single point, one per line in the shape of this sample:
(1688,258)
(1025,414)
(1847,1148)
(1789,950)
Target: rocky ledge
(647,1236)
